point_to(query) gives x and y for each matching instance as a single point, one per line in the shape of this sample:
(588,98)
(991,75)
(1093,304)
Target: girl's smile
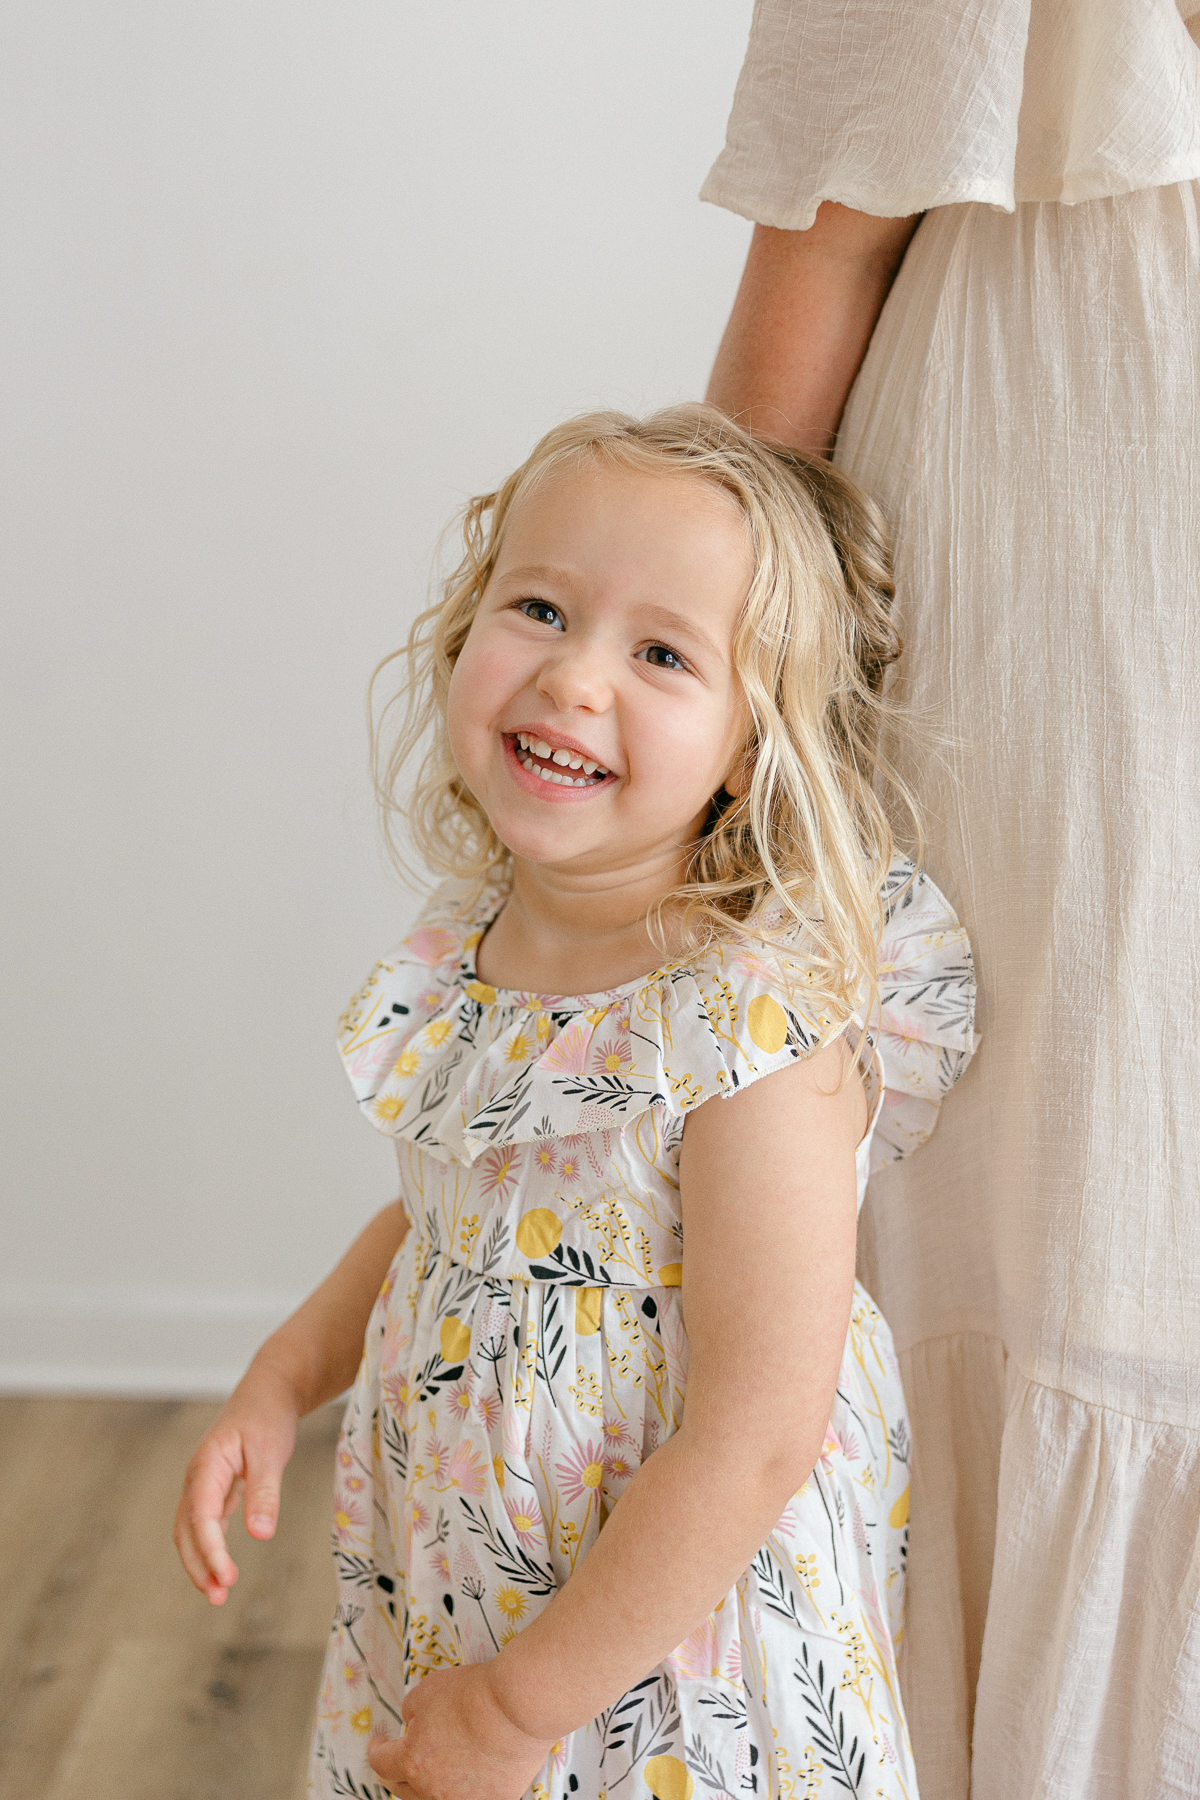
(563,769)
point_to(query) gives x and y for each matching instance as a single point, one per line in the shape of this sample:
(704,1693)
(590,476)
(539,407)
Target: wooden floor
(117,1681)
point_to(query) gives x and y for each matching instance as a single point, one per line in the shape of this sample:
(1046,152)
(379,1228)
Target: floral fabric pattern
(527,1353)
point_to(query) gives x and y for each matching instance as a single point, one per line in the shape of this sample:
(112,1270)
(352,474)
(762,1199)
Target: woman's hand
(245,1451)
(459,1743)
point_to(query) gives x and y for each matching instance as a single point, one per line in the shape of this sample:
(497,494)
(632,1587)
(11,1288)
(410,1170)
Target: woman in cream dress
(1027,412)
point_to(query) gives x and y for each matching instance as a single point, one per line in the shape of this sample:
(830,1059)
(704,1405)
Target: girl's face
(594,709)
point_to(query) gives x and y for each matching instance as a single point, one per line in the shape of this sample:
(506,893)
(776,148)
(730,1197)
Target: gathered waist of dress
(538,1261)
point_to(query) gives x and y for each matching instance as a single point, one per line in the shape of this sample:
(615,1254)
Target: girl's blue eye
(662,658)
(542,612)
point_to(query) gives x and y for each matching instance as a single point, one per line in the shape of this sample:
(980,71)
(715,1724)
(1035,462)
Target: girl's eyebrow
(678,625)
(539,572)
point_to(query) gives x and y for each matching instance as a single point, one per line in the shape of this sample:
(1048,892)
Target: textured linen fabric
(527,1353)
(896,106)
(1028,413)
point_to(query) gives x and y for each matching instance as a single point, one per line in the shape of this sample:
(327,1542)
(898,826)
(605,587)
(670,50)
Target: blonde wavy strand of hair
(808,841)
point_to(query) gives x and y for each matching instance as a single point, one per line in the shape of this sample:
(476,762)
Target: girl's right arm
(311,1358)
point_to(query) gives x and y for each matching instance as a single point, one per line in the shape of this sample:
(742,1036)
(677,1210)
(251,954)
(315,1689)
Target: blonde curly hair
(808,843)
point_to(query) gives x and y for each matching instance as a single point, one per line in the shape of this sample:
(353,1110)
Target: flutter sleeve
(896,106)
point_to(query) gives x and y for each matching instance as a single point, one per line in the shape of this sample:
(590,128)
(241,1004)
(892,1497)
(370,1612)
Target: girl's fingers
(264,1471)
(386,1758)
(199,1535)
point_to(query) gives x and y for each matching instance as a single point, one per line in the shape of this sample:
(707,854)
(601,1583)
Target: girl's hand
(244,1452)
(459,1743)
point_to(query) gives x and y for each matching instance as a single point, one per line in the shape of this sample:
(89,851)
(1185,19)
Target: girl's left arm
(769,1206)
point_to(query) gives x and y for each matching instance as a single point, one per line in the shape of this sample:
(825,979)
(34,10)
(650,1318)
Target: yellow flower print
(498,1470)
(511,1603)
(361,1720)
(388,1107)
(436,1032)
(518,1048)
(407,1063)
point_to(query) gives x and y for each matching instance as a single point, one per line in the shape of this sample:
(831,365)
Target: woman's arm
(313,1356)
(802,320)
(769,1203)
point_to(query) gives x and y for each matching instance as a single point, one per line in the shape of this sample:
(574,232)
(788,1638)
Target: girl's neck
(559,934)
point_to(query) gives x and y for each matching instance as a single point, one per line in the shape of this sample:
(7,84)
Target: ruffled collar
(457,1066)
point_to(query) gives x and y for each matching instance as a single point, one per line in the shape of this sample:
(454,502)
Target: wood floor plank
(100,1569)
(192,1722)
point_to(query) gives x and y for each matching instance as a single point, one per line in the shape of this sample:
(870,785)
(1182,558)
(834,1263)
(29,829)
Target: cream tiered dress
(527,1353)
(1028,413)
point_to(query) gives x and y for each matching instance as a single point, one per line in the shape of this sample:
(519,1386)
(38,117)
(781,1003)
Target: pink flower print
(355,1484)
(330,1711)
(429,999)
(352,1671)
(858,1529)
(437,1457)
(830,1448)
(497,1171)
(397,1391)
(525,1517)
(487,1410)
(348,1517)
(850,1449)
(567,1055)
(698,1657)
(458,1400)
(432,944)
(345,1460)
(609,1053)
(615,1433)
(618,1468)
(418,1516)
(787,1524)
(545,1158)
(441,1564)
(581,1471)
(466,1469)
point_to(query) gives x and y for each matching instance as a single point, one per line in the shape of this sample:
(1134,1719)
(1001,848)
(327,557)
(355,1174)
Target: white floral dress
(527,1353)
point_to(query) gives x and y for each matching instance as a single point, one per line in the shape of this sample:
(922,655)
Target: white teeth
(527,762)
(562,758)
(541,748)
(544,774)
(575,762)
(589,768)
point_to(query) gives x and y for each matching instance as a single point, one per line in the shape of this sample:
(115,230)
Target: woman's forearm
(317,1349)
(678,1540)
(802,320)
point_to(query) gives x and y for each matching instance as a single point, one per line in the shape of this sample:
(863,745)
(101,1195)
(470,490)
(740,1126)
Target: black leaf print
(828,1725)
(579,1271)
(898,1441)
(355,1571)
(511,1561)
(774,1590)
(704,1764)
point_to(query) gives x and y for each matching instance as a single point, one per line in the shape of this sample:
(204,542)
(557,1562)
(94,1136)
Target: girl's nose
(576,676)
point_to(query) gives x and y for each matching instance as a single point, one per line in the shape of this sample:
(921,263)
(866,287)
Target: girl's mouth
(556,766)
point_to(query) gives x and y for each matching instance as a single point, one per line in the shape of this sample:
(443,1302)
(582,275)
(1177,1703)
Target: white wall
(283,283)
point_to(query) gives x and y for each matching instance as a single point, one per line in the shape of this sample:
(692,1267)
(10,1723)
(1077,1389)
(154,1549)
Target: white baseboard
(96,1341)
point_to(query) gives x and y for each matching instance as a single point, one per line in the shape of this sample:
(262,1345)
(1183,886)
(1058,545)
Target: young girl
(622,1488)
